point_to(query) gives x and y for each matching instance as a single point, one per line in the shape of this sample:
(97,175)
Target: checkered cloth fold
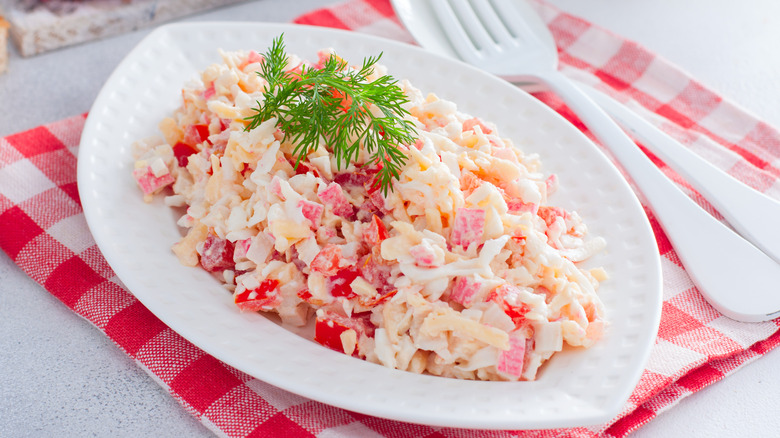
(696,346)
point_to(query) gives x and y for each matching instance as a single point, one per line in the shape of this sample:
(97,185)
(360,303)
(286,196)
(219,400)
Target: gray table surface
(59,376)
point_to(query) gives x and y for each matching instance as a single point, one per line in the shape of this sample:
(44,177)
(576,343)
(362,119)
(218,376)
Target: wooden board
(38,26)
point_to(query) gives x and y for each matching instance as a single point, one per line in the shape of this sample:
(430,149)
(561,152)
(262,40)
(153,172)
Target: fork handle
(753,214)
(705,246)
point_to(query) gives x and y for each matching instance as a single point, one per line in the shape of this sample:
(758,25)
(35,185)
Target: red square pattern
(58,165)
(35,141)
(167,355)
(765,138)
(666,397)
(382,6)
(132,327)
(71,279)
(567,29)
(279,426)
(394,429)
(707,341)
(355,15)
(103,302)
(675,322)
(692,104)
(50,207)
(762,347)
(41,257)
(233,405)
(8,154)
(699,378)
(626,66)
(759,179)
(5,205)
(630,422)
(649,386)
(693,303)
(203,382)
(18,230)
(321,17)
(94,258)
(316,417)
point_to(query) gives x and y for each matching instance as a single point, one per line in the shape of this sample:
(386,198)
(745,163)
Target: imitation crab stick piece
(464,290)
(469,124)
(333,195)
(550,214)
(151,183)
(426,255)
(511,361)
(312,211)
(252,58)
(241,248)
(468,228)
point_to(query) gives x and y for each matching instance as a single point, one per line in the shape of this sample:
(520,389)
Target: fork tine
(511,17)
(494,24)
(473,25)
(455,30)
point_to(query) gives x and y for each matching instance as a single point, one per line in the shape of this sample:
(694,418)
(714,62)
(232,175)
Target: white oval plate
(577,387)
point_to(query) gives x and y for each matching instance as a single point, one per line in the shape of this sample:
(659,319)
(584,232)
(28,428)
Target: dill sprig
(341,107)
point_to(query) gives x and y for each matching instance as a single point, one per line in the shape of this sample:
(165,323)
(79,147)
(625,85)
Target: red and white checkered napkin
(44,232)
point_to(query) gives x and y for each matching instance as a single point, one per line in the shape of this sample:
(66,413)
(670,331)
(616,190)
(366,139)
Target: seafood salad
(461,269)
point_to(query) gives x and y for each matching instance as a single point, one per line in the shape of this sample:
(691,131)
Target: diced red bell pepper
(376,232)
(328,333)
(345,100)
(217,254)
(264,297)
(305,295)
(196,134)
(303,168)
(329,327)
(182,152)
(326,262)
(339,285)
